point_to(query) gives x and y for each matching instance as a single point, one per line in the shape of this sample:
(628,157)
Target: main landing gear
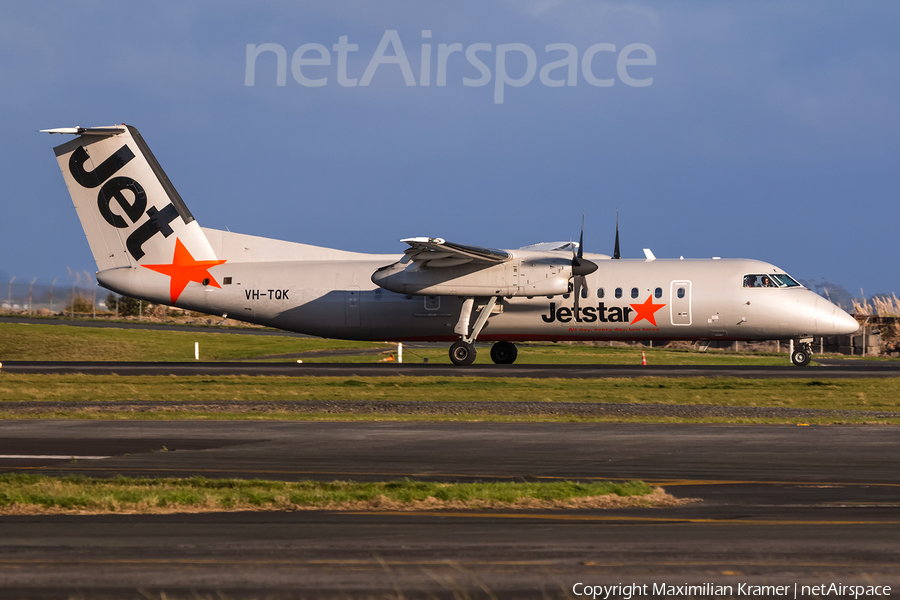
(801,355)
(504,353)
(462,353)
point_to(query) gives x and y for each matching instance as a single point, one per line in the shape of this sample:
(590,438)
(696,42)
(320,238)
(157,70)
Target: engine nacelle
(530,274)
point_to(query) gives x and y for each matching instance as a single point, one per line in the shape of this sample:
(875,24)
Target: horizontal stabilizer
(114,130)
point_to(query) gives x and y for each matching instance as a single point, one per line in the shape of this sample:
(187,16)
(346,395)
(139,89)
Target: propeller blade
(577,291)
(581,239)
(616,251)
(580,265)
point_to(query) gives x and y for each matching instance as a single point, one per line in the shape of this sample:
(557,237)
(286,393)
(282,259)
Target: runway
(831,368)
(781,504)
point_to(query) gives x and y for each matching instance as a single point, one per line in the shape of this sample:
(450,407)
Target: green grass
(23,491)
(69,343)
(41,342)
(838,394)
(858,394)
(56,342)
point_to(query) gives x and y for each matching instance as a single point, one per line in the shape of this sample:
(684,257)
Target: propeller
(581,267)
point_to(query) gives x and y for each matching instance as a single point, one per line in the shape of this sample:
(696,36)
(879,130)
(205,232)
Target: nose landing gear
(801,355)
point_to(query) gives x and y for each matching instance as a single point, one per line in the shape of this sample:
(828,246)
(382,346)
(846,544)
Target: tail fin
(131,213)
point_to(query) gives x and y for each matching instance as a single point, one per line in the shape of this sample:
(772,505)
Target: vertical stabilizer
(131,214)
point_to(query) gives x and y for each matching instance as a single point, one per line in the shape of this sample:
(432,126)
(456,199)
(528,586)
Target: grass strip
(70,343)
(881,394)
(198,415)
(41,342)
(28,493)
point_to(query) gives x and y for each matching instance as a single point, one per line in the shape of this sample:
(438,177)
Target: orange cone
(643,358)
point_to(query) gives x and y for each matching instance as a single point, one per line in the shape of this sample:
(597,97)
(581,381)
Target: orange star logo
(646,311)
(184,269)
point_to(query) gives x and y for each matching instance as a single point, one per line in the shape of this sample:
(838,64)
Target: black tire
(504,353)
(462,354)
(801,357)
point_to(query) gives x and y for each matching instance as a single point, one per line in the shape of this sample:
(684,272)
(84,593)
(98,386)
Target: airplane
(147,245)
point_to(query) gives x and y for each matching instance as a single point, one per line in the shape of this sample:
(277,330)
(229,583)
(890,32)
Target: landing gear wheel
(462,354)
(801,356)
(504,353)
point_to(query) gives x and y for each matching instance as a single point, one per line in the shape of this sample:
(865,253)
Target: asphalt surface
(780,505)
(831,368)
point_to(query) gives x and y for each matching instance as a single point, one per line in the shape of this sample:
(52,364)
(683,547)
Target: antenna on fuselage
(616,251)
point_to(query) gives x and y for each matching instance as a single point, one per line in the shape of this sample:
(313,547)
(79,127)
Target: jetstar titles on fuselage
(646,311)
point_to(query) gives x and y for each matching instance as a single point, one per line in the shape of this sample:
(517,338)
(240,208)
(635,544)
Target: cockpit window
(764,280)
(784,280)
(758,281)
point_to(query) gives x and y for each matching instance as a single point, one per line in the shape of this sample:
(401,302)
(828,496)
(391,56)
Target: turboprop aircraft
(147,245)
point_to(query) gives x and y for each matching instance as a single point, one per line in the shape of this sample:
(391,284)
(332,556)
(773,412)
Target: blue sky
(770,129)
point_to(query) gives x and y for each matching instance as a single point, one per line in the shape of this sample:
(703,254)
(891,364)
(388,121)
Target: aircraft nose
(844,323)
(832,320)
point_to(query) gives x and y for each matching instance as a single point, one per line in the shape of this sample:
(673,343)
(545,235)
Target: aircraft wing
(436,252)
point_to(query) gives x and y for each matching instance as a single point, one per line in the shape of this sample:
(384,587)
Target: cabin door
(680,303)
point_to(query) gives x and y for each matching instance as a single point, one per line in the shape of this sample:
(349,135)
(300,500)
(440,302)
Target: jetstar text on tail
(159,221)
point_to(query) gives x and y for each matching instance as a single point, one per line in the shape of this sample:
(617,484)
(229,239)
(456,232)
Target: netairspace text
(561,64)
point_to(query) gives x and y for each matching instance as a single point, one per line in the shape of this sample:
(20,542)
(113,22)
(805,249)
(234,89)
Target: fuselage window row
(635,293)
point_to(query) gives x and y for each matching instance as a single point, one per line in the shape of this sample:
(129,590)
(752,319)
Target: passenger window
(681,292)
(658,293)
(618,292)
(600,293)
(584,292)
(634,292)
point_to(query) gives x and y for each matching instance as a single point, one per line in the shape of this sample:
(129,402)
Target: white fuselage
(332,295)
